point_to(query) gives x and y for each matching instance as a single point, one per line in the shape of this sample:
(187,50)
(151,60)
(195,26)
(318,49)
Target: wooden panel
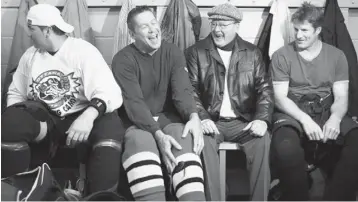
(245,3)
(105,46)
(253,22)
(353,23)
(205,26)
(8,21)
(104,20)
(5,49)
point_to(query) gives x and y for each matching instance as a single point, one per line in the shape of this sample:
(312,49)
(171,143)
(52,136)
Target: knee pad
(114,144)
(15,157)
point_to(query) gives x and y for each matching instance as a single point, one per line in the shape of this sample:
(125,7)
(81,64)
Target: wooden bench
(223,147)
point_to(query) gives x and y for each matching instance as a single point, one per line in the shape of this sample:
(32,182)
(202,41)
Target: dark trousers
(103,166)
(257,155)
(288,160)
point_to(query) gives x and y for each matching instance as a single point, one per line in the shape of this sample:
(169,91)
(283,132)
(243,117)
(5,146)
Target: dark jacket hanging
(264,41)
(335,32)
(75,12)
(181,23)
(20,43)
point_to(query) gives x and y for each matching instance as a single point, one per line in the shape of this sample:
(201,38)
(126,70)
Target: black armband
(98,104)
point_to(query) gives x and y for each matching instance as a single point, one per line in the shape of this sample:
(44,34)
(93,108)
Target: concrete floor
(237,176)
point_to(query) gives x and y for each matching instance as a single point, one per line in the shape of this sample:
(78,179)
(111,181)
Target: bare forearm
(339,108)
(289,107)
(90,113)
(194,116)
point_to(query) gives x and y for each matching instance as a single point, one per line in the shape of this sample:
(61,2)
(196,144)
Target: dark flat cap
(225,12)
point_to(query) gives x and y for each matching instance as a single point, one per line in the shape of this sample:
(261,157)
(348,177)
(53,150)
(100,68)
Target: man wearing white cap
(64,92)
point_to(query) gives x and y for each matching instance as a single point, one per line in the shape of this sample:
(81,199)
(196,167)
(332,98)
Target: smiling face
(223,32)
(146,31)
(306,35)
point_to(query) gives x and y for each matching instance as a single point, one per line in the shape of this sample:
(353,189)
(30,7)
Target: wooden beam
(209,3)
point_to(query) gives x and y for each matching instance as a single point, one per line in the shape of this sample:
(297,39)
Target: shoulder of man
(250,46)
(29,52)
(124,54)
(332,50)
(198,46)
(81,46)
(285,51)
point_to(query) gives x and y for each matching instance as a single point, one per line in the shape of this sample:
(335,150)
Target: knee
(286,146)
(17,125)
(137,138)
(264,141)
(108,126)
(175,130)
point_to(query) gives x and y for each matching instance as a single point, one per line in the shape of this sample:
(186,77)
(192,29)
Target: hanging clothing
(20,43)
(181,23)
(282,31)
(75,12)
(264,41)
(121,35)
(335,32)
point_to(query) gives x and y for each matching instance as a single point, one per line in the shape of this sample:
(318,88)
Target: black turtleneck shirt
(155,85)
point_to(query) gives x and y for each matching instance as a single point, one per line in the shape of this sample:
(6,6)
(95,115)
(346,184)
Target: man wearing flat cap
(63,92)
(233,93)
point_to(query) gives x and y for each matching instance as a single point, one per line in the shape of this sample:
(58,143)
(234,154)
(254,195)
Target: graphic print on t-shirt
(57,90)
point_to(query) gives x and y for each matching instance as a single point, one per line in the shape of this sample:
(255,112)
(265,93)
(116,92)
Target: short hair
(309,12)
(134,12)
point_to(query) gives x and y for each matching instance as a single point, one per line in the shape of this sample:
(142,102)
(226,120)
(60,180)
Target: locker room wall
(104,17)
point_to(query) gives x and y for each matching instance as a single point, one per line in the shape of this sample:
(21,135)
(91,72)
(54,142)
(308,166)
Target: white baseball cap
(48,15)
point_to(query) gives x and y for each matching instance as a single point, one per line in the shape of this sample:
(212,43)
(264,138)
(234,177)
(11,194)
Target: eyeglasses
(220,25)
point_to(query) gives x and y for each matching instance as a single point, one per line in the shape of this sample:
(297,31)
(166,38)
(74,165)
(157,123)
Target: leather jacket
(249,85)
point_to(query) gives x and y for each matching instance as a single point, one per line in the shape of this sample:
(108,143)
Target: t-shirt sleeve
(341,68)
(279,67)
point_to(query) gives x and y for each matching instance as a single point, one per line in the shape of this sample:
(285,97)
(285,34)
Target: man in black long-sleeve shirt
(158,100)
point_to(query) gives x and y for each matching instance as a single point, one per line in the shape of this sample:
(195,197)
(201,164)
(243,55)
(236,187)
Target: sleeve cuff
(99,105)
(154,128)
(204,115)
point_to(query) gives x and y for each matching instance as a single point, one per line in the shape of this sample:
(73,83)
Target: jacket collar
(239,46)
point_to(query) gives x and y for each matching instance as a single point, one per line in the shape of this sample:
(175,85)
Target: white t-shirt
(67,80)
(226,108)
